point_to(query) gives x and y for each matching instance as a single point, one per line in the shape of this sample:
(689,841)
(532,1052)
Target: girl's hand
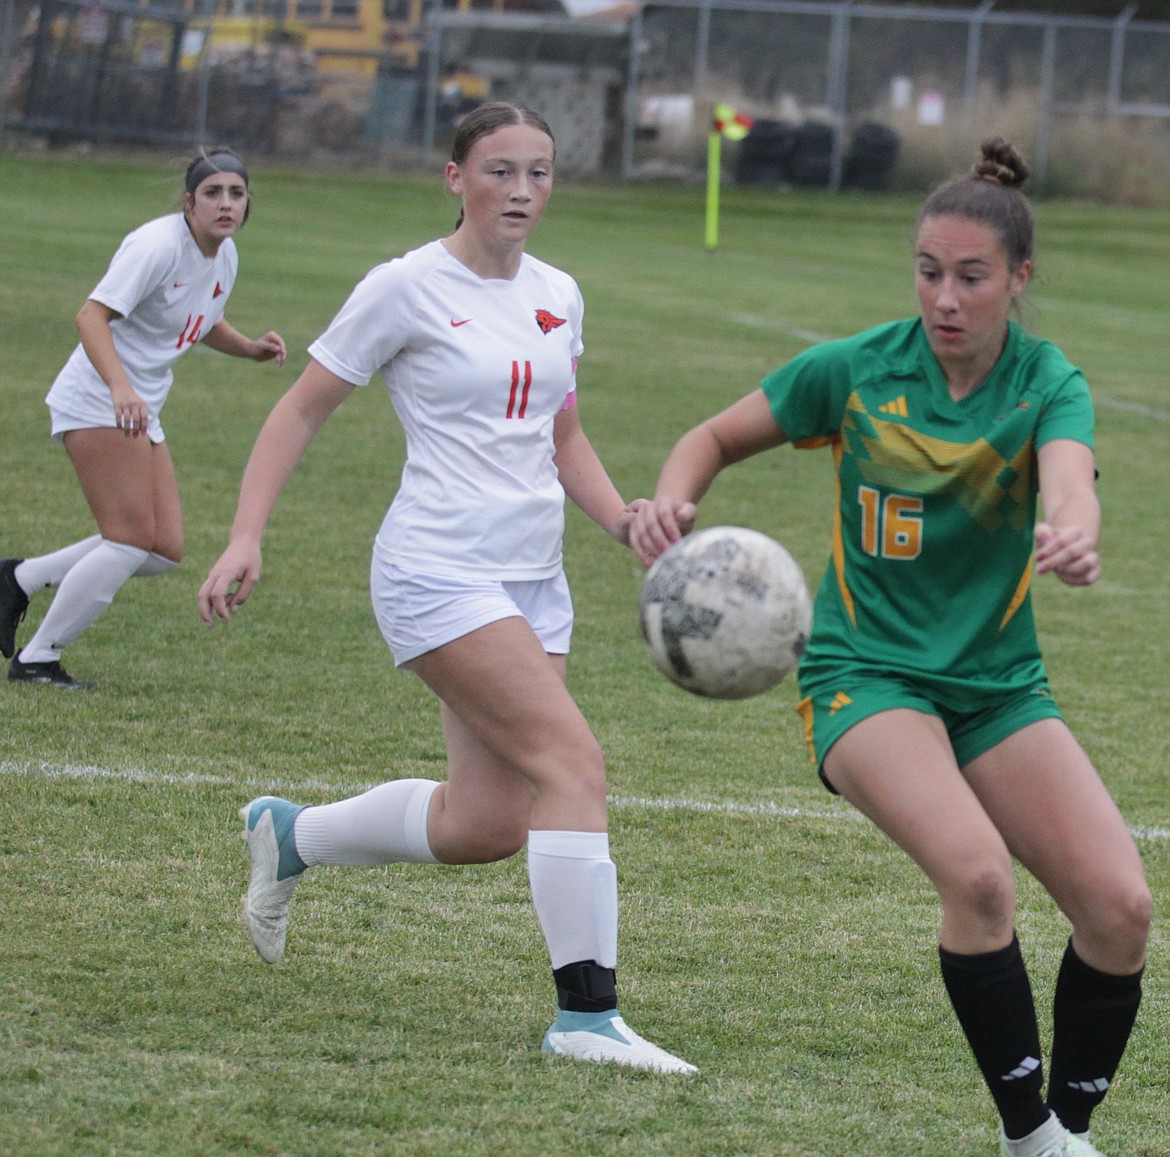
(621,528)
(229,582)
(268,347)
(1067,552)
(658,524)
(130,412)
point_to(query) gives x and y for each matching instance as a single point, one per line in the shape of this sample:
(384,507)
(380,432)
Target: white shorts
(63,423)
(419,612)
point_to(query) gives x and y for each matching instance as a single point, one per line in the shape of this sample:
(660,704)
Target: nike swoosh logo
(456,324)
(179,284)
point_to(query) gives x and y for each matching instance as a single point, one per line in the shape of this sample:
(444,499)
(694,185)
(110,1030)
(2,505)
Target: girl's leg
(523,766)
(898,768)
(49,570)
(483,812)
(130,487)
(1086,858)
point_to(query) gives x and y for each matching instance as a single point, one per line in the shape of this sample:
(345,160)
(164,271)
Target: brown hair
(485,119)
(990,194)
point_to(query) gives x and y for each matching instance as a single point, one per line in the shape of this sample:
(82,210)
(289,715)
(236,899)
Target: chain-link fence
(876,95)
(842,95)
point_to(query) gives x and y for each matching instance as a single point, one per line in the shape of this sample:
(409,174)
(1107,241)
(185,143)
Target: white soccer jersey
(477,371)
(169,296)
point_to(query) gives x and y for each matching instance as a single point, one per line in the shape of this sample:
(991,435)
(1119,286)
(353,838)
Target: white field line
(1138,408)
(619,802)
(780,325)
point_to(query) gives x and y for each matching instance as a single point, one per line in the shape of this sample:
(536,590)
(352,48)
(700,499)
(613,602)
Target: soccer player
(166,288)
(478,343)
(925,699)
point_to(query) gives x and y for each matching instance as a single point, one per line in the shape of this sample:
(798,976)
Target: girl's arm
(1066,541)
(586,480)
(226,339)
(745,428)
(97,339)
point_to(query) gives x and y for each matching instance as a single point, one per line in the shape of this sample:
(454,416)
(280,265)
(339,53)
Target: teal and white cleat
(276,870)
(606,1038)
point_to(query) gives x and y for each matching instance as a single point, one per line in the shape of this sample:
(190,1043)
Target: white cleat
(610,1040)
(266,901)
(1052,1139)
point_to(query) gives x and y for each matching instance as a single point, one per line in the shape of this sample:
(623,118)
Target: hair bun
(1001,163)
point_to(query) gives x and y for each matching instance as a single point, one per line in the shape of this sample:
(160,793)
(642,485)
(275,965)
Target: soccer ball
(725,612)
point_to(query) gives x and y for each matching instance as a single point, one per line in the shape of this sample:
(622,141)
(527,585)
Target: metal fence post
(1044,123)
(630,128)
(203,90)
(974,48)
(702,45)
(838,80)
(430,104)
(1117,56)
(7,35)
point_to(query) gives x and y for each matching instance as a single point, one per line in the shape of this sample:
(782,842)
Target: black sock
(585,986)
(1092,1016)
(993,1001)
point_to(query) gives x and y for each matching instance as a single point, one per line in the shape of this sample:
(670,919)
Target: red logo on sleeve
(218,291)
(548,321)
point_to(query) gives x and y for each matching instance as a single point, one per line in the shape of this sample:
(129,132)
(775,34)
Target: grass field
(768,934)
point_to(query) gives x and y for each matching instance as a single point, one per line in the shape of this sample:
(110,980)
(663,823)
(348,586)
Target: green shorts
(830,709)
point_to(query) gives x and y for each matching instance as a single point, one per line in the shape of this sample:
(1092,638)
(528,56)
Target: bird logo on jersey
(548,321)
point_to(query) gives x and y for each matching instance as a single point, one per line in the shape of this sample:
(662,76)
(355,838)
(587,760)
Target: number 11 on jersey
(516,384)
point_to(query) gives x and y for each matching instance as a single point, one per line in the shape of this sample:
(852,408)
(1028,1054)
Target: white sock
(385,825)
(87,589)
(155,564)
(574,890)
(48,570)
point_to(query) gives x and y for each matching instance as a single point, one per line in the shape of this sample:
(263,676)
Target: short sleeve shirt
(932,538)
(477,371)
(169,296)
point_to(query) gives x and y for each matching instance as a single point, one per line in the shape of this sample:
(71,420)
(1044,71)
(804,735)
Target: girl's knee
(1113,927)
(1126,917)
(984,895)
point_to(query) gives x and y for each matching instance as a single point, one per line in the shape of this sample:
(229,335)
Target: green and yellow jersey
(932,538)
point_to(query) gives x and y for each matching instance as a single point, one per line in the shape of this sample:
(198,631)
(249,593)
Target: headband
(215,163)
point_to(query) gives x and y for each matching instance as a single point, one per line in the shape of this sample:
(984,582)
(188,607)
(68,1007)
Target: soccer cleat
(276,870)
(13,604)
(51,673)
(605,1037)
(1052,1139)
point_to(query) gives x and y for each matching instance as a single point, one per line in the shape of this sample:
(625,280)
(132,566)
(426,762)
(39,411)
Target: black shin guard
(993,1001)
(1092,1017)
(584,986)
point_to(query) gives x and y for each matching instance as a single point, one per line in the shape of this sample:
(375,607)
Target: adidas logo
(1025,1068)
(897,406)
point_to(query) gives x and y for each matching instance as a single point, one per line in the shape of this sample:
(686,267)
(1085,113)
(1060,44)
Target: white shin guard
(574,890)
